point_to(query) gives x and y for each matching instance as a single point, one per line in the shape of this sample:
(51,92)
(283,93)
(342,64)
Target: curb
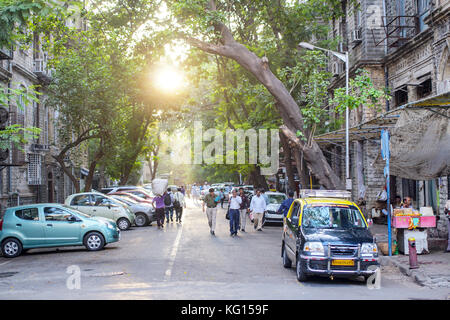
(418,276)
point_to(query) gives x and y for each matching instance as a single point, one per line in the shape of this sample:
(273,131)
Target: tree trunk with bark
(90,177)
(287,161)
(286,105)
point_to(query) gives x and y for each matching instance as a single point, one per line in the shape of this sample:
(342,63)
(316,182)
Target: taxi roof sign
(308,193)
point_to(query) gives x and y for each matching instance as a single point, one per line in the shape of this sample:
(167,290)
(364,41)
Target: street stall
(415,145)
(412,224)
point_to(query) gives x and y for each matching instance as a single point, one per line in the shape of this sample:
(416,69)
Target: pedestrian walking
(243,209)
(258,206)
(222,197)
(286,204)
(178,204)
(234,206)
(266,198)
(159,210)
(211,202)
(168,203)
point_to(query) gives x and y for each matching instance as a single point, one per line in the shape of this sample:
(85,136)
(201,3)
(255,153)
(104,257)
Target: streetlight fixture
(344,57)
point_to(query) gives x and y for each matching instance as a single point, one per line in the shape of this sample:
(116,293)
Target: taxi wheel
(287,263)
(301,275)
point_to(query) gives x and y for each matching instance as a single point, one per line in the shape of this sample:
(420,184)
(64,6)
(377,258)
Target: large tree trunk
(256,179)
(288,161)
(286,105)
(84,136)
(90,177)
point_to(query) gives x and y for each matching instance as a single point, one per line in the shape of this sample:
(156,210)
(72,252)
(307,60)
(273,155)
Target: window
(28,214)
(295,210)
(81,200)
(101,201)
(56,214)
(34,169)
(423,10)
(401,96)
(424,89)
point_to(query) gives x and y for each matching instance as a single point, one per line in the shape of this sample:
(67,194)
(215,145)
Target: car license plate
(342,262)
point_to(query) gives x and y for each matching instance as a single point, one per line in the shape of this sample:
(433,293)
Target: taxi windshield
(332,217)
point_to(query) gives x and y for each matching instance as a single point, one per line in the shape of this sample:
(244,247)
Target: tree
(209,19)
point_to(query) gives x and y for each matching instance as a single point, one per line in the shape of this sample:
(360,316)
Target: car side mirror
(72,219)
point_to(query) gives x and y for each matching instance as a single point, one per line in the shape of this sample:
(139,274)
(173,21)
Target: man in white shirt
(235,205)
(257,207)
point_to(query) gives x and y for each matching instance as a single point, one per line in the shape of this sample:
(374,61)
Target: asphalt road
(183,261)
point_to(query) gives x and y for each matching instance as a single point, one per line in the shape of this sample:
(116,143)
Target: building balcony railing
(397,30)
(6,54)
(41,70)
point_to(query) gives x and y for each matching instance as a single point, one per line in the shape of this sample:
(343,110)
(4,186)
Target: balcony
(397,30)
(41,70)
(6,54)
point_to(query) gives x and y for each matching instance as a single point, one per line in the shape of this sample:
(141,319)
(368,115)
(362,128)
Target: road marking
(173,255)
(2,264)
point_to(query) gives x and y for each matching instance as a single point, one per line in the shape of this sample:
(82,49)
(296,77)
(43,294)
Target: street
(186,262)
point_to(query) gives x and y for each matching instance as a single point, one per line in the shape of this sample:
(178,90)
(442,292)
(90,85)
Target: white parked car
(275,201)
(99,205)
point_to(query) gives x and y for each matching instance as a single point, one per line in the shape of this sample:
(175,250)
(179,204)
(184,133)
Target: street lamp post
(343,57)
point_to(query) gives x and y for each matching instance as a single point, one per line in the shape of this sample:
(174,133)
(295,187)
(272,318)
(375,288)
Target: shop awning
(420,137)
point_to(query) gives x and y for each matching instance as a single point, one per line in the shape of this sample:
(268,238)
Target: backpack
(176,202)
(167,200)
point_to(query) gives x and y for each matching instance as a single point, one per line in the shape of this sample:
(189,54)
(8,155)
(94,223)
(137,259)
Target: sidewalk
(434,268)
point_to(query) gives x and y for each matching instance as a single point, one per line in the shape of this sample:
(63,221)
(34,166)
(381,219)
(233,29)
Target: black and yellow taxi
(326,234)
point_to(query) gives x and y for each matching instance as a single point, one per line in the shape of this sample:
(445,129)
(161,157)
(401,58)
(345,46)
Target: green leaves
(361,92)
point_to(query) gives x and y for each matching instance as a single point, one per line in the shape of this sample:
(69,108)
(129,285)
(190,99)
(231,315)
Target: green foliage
(15,134)
(361,92)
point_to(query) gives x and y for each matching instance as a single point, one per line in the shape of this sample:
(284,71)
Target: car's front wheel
(141,220)
(94,241)
(287,263)
(301,274)
(11,248)
(123,224)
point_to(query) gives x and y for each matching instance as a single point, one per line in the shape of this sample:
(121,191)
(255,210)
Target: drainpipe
(386,69)
(10,153)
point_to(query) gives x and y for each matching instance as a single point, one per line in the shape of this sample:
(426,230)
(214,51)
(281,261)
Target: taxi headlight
(369,249)
(315,248)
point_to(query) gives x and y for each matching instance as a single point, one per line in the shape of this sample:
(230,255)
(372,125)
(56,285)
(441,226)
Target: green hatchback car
(53,225)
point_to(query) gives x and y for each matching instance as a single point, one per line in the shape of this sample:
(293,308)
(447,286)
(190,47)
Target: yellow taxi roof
(327,200)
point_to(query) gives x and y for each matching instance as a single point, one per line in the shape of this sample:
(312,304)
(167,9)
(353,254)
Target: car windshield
(276,198)
(332,217)
(78,212)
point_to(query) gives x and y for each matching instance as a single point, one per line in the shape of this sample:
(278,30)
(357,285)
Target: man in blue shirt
(286,204)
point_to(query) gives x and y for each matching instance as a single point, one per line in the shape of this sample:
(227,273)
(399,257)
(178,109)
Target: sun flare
(169,79)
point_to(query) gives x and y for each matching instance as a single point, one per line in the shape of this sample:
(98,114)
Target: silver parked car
(144,214)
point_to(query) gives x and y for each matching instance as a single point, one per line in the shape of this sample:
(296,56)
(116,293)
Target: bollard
(412,254)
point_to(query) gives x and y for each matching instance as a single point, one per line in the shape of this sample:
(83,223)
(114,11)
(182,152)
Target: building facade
(29,173)
(404,45)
